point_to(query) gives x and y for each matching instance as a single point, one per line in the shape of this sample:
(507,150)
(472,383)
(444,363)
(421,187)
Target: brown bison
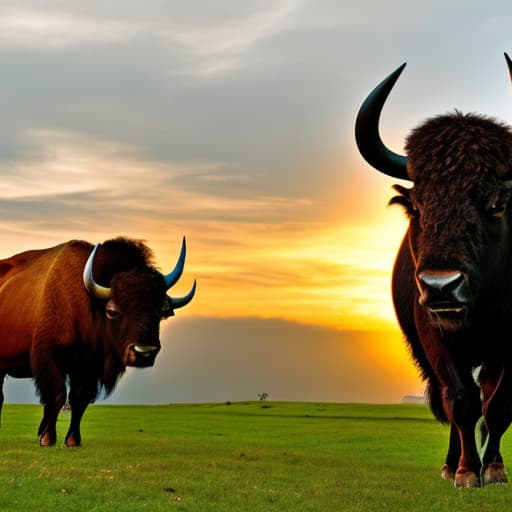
(81,314)
(452,278)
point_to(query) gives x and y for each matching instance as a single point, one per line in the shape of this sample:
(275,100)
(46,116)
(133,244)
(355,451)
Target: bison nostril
(442,282)
(441,288)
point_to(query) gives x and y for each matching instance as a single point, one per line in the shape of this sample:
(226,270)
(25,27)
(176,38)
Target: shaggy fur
(51,329)
(456,162)
(457,143)
(460,220)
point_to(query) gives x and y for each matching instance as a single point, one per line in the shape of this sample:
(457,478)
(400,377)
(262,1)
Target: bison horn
(509,64)
(179,302)
(172,277)
(94,289)
(367,133)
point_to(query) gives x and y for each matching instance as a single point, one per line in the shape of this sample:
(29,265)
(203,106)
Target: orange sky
(331,271)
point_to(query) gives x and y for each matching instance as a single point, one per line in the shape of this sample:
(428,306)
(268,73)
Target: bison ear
(167,309)
(403,199)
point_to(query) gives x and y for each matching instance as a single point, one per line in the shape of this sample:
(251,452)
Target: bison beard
(82,314)
(452,278)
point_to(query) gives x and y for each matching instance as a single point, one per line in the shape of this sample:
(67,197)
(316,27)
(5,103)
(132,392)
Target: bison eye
(497,205)
(497,208)
(497,211)
(112,311)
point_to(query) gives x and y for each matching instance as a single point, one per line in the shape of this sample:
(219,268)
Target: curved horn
(509,64)
(173,276)
(367,134)
(91,286)
(179,302)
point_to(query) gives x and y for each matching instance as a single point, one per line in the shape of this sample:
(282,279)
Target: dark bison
(452,278)
(81,314)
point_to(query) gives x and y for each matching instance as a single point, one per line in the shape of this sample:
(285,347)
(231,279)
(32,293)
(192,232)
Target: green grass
(254,456)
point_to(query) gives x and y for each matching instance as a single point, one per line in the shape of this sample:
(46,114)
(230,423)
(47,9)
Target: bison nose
(442,289)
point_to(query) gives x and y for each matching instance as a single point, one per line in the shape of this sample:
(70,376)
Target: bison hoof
(494,474)
(447,472)
(466,478)
(72,441)
(47,439)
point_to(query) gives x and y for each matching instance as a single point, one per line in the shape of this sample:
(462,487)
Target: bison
(452,278)
(80,315)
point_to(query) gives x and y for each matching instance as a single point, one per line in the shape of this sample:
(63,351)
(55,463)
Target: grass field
(254,456)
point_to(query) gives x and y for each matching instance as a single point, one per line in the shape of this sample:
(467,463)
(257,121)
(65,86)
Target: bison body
(81,314)
(452,278)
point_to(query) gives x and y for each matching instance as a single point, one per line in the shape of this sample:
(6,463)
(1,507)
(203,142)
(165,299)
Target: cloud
(35,29)
(220,46)
(65,167)
(69,184)
(212,43)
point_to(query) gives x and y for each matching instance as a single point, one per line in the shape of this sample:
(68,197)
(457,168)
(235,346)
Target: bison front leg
(463,409)
(48,428)
(79,398)
(435,400)
(460,401)
(497,412)
(453,455)
(462,405)
(74,437)
(52,390)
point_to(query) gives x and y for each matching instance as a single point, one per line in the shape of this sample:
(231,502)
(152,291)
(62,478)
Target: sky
(232,123)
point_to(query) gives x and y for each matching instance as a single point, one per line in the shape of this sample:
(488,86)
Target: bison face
(459,225)
(133,315)
(458,241)
(135,303)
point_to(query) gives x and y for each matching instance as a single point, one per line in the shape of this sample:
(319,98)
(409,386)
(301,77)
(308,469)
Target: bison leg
(48,428)
(74,437)
(78,405)
(452,457)
(497,411)
(52,390)
(83,389)
(435,400)
(468,470)
(463,407)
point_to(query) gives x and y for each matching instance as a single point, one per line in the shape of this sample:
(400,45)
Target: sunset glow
(338,278)
(232,125)
(336,274)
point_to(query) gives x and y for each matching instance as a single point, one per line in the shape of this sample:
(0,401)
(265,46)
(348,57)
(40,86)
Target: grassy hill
(251,456)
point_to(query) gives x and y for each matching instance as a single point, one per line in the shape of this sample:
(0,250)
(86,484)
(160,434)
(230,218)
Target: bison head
(460,166)
(134,303)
